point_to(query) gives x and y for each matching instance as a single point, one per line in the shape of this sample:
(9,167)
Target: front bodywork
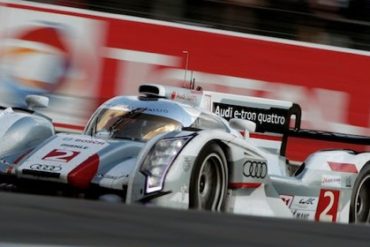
(96,167)
(20,131)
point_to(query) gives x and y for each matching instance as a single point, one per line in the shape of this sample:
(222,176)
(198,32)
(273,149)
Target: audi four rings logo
(255,169)
(46,168)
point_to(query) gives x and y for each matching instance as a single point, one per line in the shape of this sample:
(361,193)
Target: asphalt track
(52,221)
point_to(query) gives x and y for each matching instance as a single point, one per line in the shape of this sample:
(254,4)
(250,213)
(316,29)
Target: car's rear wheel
(208,183)
(360,201)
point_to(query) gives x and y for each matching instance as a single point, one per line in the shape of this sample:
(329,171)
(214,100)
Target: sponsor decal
(188,161)
(185,97)
(46,168)
(60,155)
(303,215)
(287,199)
(67,139)
(307,203)
(157,110)
(135,109)
(348,182)
(274,119)
(90,141)
(255,169)
(327,207)
(331,181)
(74,146)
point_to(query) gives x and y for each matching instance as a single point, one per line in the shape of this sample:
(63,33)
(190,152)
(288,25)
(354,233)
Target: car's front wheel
(360,201)
(208,183)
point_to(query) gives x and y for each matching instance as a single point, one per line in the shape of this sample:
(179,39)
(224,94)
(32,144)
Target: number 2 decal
(60,155)
(327,207)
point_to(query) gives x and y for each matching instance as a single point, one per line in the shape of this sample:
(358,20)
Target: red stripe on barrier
(343,167)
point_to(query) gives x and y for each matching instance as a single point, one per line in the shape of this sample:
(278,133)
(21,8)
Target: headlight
(159,160)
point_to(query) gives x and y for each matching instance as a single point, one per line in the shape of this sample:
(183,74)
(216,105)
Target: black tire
(209,179)
(360,199)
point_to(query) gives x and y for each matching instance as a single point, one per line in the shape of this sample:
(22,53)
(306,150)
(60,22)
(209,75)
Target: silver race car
(21,130)
(183,148)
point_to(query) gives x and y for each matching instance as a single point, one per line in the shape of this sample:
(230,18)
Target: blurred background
(81,58)
(342,23)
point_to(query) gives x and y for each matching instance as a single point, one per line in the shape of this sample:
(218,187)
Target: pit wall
(81,58)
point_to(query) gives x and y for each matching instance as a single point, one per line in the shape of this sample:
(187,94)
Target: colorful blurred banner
(53,54)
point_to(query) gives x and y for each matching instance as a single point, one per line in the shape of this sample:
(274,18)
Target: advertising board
(81,58)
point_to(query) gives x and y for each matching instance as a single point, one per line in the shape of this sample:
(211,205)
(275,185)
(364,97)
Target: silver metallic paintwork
(19,132)
(120,163)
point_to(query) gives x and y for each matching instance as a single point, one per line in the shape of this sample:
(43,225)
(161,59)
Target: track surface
(75,222)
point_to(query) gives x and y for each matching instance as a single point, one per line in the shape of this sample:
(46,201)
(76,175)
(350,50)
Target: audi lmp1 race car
(183,148)
(22,129)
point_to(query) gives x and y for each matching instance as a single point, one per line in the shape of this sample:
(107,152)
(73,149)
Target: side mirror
(243,125)
(34,101)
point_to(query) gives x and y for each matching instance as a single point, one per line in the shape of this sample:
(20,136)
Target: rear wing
(273,116)
(270,116)
(277,117)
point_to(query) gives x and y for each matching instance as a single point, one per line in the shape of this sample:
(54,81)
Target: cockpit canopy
(132,124)
(141,119)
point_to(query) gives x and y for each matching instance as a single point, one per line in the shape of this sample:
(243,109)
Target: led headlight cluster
(159,160)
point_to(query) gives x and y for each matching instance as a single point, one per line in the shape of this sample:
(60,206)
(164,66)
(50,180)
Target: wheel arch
(362,173)
(224,149)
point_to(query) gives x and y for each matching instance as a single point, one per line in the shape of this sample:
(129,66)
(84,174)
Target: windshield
(133,124)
